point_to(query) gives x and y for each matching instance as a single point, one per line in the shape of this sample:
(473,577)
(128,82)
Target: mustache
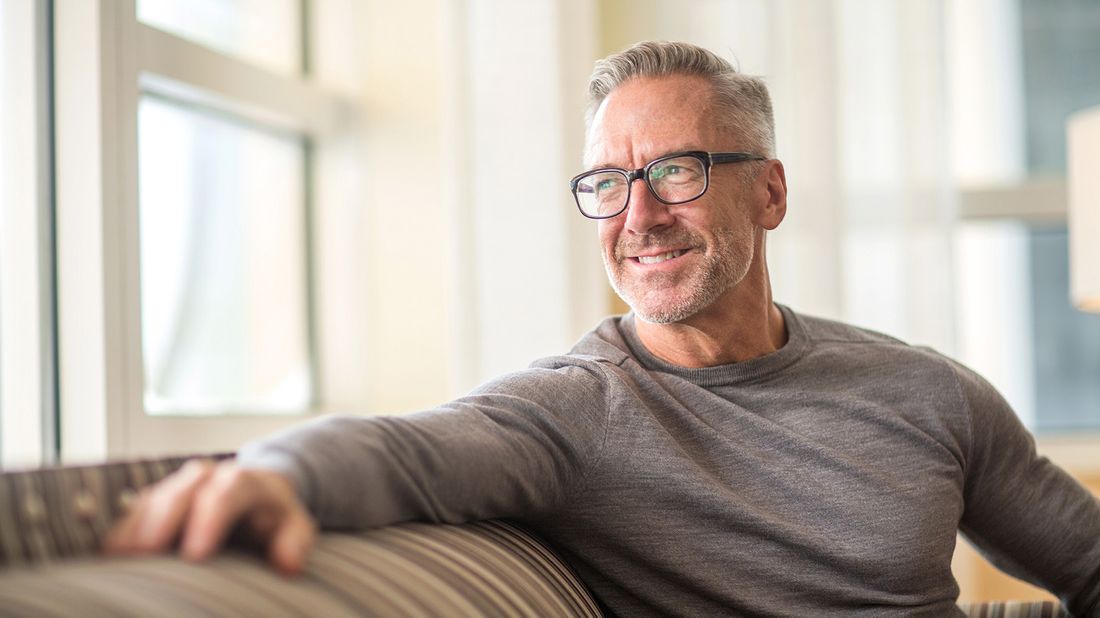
(663,239)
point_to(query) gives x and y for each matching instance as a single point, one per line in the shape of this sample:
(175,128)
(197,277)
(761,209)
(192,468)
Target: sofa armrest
(479,569)
(53,521)
(53,513)
(1014,609)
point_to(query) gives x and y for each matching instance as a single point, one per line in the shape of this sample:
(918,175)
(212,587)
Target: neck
(741,325)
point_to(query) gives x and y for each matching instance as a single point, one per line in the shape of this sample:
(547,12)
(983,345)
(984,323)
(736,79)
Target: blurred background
(224,216)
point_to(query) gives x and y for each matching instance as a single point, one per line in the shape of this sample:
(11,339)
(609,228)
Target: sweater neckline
(744,371)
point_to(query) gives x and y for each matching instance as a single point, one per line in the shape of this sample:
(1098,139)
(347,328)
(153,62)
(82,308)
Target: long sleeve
(517,445)
(1027,516)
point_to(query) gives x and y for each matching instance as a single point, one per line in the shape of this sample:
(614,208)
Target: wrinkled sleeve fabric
(1025,514)
(519,444)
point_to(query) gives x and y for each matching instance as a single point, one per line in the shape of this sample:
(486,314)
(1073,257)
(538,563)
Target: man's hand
(201,503)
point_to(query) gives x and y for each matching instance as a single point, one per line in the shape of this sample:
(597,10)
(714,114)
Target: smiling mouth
(662,257)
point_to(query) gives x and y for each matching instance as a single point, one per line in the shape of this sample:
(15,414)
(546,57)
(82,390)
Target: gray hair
(742,99)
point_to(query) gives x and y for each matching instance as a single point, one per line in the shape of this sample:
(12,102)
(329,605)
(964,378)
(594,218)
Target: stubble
(664,298)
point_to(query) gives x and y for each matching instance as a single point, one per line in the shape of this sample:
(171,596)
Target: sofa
(53,520)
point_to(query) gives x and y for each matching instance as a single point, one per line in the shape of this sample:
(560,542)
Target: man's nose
(644,212)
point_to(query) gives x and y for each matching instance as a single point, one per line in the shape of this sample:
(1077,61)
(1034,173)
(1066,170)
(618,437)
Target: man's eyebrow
(603,165)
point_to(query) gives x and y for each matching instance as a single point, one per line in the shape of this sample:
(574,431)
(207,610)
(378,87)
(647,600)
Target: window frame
(106,59)
(28,371)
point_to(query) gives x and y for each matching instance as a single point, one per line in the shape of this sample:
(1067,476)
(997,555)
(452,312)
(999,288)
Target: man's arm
(514,446)
(518,445)
(1025,514)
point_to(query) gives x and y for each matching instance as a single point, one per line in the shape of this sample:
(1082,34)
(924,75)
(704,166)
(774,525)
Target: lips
(660,257)
(652,250)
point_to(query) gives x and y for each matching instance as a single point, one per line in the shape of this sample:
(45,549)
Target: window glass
(1061,74)
(1066,340)
(225,324)
(1019,328)
(265,32)
(1061,62)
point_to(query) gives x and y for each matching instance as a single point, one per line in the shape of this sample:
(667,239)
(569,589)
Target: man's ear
(771,213)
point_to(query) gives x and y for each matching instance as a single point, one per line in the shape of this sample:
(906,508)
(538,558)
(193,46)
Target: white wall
(478,262)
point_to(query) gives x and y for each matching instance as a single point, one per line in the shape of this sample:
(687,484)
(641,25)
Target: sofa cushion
(477,569)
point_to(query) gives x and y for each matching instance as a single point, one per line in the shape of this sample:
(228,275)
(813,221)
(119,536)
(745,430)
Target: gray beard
(719,272)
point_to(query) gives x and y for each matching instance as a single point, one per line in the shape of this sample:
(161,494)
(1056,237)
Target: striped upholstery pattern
(479,569)
(1015,609)
(64,512)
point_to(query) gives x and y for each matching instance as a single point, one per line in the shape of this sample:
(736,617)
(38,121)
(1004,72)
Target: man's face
(670,262)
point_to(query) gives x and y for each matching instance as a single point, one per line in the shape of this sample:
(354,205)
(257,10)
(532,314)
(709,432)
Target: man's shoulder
(848,339)
(823,330)
(596,351)
(603,344)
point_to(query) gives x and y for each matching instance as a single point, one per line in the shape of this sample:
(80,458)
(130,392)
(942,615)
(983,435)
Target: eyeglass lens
(675,180)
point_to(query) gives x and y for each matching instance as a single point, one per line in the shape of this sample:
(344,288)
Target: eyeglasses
(673,179)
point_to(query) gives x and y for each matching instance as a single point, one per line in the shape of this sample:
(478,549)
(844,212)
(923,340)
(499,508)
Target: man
(709,453)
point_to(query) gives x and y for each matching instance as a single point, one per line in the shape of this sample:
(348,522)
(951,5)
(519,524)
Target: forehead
(647,117)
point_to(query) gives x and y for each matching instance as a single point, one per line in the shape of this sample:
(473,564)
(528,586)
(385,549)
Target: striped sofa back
(65,512)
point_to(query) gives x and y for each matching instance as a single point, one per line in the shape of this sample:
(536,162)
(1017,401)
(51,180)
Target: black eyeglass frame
(709,159)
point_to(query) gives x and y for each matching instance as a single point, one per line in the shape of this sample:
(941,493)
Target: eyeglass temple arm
(734,157)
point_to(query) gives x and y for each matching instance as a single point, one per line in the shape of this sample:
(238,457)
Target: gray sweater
(827,478)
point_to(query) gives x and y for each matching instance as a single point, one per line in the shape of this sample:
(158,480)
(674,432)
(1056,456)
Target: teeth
(653,259)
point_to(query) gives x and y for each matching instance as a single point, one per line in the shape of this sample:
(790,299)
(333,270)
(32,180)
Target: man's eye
(606,184)
(666,171)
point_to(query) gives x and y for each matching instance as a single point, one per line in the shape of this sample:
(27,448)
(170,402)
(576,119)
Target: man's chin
(660,301)
(662,312)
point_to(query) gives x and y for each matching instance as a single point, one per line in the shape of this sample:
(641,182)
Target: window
(202,168)
(265,32)
(1067,341)
(1017,322)
(222,210)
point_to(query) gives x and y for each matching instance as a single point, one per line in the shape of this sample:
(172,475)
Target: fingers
(154,520)
(229,495)
(291,543)
(264,501)
(202,502)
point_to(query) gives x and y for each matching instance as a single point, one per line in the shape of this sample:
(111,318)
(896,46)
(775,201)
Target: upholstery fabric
(479,569)
(64,512)
(1015,609)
